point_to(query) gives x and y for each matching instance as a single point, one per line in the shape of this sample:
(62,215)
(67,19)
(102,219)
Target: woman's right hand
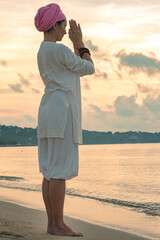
(75,34)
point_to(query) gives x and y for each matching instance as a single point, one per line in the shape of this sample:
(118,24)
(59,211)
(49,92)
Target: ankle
(58,224)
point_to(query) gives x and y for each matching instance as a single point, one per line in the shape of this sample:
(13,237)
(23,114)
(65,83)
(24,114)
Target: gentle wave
(28,189)
(152,209)
(9,178)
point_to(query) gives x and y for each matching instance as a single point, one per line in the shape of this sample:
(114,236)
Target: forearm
(76,50)
(85,56)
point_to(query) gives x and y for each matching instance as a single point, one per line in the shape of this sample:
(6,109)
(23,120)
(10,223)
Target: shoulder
(47,47)
(58,47)
(64,49)
(62,46)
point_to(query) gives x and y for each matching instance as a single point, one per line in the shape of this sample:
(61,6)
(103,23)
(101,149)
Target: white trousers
(58,157)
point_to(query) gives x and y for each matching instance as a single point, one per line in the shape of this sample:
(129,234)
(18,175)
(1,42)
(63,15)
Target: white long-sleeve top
(60,70)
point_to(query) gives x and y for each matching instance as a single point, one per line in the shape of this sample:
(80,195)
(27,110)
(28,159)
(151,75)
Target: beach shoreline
(109,191)
(18,222)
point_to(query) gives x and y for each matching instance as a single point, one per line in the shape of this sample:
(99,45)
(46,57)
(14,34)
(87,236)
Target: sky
(123,37)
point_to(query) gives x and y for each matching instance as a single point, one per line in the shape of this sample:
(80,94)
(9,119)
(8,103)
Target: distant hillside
(16,136)
(13,135)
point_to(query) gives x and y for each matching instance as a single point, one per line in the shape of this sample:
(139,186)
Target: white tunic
(60,70)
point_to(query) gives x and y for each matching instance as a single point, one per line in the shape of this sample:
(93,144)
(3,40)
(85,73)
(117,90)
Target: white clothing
(58,157)
(60,70)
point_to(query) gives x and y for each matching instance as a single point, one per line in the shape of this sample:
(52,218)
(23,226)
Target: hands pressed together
(75,35)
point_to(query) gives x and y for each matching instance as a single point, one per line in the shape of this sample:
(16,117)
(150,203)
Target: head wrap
(47,16)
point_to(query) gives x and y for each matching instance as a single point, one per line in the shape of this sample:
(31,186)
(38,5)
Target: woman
(59,118)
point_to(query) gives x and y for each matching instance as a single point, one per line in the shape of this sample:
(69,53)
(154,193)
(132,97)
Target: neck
(49,37)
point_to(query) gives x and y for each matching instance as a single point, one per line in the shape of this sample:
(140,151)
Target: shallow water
(118,179)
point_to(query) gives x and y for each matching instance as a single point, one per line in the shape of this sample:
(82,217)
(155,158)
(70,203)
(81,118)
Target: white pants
(58,157)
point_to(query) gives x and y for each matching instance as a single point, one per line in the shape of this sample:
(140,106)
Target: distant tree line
(16,136)
(94,137)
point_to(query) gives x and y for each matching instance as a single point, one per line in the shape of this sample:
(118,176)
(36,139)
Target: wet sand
(17,222)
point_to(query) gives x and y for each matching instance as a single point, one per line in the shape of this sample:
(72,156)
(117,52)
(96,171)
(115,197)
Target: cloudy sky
(124,39)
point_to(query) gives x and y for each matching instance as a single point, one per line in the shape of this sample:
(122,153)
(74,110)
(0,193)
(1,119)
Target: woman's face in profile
(61,30)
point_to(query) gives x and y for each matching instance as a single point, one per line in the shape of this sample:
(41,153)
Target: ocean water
(118,185)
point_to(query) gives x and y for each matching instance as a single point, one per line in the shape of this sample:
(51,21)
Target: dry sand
(17,222)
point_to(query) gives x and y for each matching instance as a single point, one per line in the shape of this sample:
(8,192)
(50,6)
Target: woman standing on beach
(59,118)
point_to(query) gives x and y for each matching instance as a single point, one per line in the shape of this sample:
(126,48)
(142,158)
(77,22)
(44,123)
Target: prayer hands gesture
(75,34)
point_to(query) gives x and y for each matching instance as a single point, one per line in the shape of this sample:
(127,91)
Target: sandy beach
(17,222)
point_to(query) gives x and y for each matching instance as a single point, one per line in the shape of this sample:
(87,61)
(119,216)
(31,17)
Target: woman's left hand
(75,33)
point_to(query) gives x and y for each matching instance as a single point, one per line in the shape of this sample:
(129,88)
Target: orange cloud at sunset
(124,42)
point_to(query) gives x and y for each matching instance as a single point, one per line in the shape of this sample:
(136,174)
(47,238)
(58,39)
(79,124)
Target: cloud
(29,118)
(126,106)
(152,104)
(90,45)
(143,88)
(4,66)
(100,74)
(35,90)
(3,63)
(137,62)
(23,80)
(19,120)
(99,113)
(125,115)
(16,87)
(84,98)
(117,2)
(149,90)
(85,84)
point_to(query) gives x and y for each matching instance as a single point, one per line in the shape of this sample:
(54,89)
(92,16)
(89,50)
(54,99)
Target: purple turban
(47,16)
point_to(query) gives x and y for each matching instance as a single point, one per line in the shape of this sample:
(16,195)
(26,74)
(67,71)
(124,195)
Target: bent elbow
(92,69)
(87,70)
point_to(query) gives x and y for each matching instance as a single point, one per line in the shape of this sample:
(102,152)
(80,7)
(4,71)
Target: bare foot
(64,230)
(49,230)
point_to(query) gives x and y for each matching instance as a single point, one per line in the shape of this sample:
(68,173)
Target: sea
(118,185)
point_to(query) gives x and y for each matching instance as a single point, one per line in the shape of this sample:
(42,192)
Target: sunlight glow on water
(115,176)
